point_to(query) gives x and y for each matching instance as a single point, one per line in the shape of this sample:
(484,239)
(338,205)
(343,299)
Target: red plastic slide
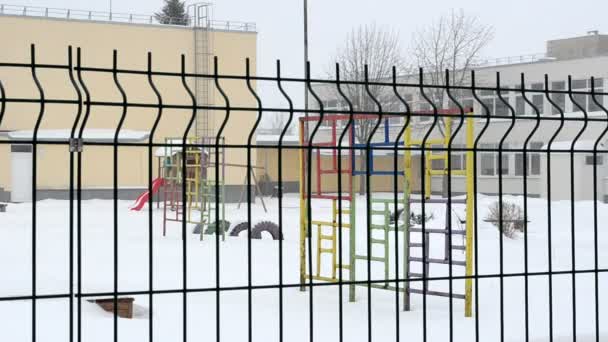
(143,198)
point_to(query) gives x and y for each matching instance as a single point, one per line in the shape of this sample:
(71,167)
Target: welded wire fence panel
(391,209)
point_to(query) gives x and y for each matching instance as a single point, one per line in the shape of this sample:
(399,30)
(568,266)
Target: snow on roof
(580,145)
(90,135)
(174,146)
(503,119)
(272,139)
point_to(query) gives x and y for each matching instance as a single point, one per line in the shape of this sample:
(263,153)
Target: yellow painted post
(446,142)
(407,179)
(352,210)
(470,207)
(302,212)
(428,166)
(333,238)
(319,247)
(407,158)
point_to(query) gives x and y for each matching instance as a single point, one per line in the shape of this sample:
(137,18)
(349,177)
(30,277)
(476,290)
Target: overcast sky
(521,26)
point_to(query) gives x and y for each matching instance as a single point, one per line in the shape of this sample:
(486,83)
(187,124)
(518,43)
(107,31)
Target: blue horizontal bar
(377,173)
(389,144)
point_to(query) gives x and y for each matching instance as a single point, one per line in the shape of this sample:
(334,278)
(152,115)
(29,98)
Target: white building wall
(526,127)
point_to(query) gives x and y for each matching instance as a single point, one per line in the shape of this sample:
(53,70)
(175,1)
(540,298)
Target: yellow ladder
(332,237)
(429,156)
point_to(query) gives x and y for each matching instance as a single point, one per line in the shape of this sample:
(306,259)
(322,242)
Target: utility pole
(305,56)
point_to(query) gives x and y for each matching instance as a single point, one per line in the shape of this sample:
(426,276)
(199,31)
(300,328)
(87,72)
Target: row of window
(540,103)
(512,162)
(537,102)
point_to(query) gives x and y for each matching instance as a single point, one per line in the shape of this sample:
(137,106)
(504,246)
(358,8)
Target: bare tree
(380,50)
(277,123)
(454,42)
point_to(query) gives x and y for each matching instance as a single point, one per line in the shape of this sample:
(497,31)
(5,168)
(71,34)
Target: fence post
(469,218)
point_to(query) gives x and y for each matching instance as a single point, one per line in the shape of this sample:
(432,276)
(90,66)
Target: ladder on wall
(203,52)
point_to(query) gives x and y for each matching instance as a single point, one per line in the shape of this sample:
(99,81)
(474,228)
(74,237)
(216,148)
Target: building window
(538,101)
(532,158)
(437,164)
(598,160)
(331,104)
(392,106)
(489,161)
(408,98)
(519,164)
(535,158)
(579,102)
(395,120)
(487,164)
(505,161)
(468,105)
(520,106)
(586,101)
(537,86)
(599,86)
(458,158)
(595,107)
(427,117)
(559,99)
(579,84)
(489,102)
(501,108)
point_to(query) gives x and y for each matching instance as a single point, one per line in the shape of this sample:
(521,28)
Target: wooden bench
(125,305)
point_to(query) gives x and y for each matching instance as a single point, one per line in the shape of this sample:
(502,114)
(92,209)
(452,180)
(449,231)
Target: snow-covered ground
(97,253)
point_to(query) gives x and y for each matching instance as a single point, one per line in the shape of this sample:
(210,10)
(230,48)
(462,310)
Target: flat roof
(90,135)
(67,14)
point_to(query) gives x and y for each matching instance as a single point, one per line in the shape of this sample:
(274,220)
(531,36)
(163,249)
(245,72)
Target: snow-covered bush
(417,219)
(512,218)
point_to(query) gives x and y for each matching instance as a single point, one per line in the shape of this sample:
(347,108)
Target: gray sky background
(521,26)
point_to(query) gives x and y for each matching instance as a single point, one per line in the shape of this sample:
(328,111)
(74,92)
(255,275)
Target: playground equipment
(143,198)
(381,211)
(257,230)
(342,202)
(200,185)
(256,185)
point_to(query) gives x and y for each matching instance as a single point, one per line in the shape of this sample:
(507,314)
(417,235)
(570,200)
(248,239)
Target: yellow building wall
(268,158)
(97,41)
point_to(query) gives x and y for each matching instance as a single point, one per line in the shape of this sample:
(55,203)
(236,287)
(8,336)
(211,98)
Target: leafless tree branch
(380,50)
(453,42)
